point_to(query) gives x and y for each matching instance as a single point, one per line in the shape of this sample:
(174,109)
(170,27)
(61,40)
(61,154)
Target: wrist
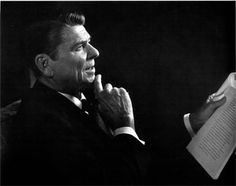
(125,121)
(195,122)
(129,131)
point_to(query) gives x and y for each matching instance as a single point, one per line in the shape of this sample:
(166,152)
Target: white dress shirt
(188,125)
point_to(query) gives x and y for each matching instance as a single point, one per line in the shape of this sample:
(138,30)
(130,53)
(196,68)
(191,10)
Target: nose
(92,52)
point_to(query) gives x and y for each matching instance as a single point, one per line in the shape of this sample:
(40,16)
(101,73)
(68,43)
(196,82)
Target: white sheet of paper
(214,143)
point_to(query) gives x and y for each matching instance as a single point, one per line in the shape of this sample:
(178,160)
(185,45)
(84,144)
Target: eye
(79,47)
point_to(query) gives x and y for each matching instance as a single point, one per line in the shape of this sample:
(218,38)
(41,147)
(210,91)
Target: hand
(114,105)
(198,118)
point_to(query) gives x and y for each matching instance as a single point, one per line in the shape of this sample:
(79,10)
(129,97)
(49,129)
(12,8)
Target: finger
(216,104)
(218,97)
(123,92)
(210,98)
(108,87)
(126,101)
(115,90)
(98,84)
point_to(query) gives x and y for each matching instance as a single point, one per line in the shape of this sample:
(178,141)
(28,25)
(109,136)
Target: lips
(90,70)
(89,67)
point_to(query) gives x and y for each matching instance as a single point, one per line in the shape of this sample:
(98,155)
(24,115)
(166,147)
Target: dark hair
(46,36)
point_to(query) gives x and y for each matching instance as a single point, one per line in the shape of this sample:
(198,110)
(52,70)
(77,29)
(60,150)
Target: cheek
(77,68)
(78,61)
(71,68)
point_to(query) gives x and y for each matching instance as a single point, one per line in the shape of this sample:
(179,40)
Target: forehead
(76,33)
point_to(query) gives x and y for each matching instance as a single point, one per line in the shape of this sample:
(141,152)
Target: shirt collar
(74,99)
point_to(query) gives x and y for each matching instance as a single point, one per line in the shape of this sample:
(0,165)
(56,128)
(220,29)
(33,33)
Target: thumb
(98,84)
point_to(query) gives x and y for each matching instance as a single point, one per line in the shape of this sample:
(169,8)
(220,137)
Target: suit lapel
(84,124)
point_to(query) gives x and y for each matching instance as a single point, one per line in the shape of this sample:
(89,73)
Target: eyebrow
(76,43)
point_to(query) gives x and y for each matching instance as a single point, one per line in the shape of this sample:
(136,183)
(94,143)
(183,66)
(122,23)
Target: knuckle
(122,90)
(108,85)
(102,94)
(115,90)
(106,91)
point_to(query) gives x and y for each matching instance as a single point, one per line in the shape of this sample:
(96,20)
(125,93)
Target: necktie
(87,106)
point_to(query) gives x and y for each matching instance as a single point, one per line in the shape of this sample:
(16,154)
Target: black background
(169,55)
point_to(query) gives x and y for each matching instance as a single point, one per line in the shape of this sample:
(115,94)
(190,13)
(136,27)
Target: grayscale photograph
(118,93)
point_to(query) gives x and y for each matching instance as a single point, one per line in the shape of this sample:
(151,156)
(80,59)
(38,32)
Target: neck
(53,85)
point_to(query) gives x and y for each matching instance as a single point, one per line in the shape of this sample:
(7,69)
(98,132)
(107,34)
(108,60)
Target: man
(54,140)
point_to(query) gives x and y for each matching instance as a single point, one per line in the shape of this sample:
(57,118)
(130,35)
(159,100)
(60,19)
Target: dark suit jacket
(54,142)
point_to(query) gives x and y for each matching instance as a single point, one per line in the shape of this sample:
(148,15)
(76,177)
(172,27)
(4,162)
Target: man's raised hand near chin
(114,105)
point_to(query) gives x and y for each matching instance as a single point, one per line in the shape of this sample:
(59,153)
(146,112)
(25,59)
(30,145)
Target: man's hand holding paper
(215,141)
(198,118)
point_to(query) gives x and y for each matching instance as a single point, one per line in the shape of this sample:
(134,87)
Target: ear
(42,61)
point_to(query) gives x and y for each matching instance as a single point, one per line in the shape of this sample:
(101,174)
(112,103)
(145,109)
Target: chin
(86,81)
(90,79)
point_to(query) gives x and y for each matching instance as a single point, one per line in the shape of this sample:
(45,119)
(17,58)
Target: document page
(213,145)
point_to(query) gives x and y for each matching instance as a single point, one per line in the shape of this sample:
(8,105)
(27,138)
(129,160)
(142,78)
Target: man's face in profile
(74,67)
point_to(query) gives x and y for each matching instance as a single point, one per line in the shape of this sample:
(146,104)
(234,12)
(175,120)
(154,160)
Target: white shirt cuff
(188,125)
(128,130)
